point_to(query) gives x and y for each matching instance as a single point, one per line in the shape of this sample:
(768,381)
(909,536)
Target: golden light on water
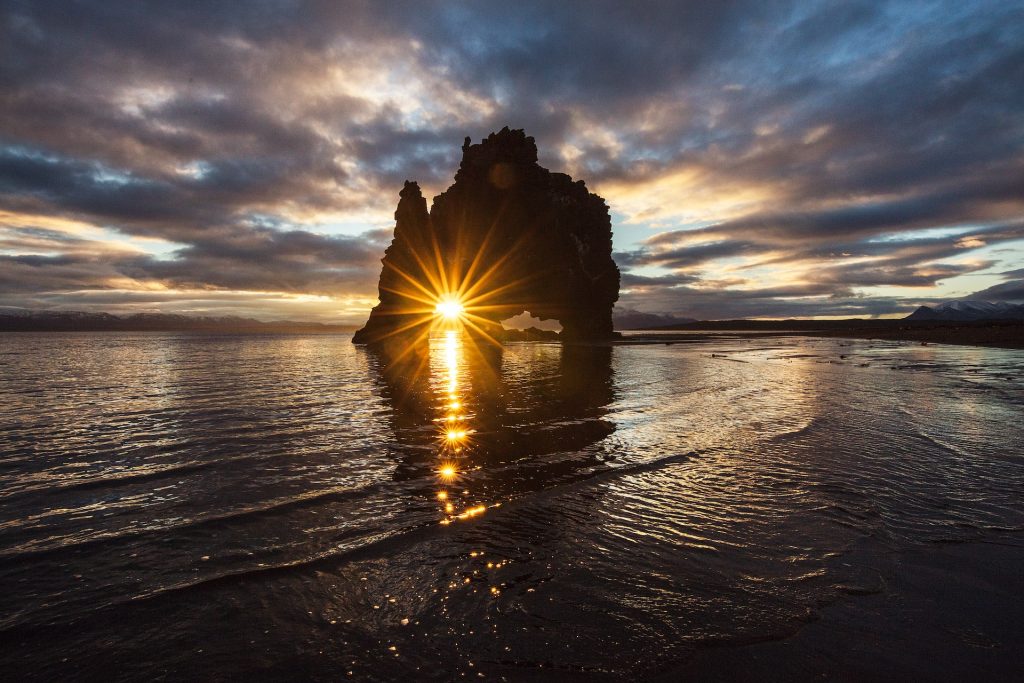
(452,426)
(449,378)
(455,434)
(473,511)
(451,362)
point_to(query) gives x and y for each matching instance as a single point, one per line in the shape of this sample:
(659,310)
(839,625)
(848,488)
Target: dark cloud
(776,302)
(899,262)
(632,280)
(1012,290)
(266,259)
(295,261)
(1005,291)
(690,256)
(229,130)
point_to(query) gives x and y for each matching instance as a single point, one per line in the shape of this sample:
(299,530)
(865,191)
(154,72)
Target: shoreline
(1006,335)
(1002,337)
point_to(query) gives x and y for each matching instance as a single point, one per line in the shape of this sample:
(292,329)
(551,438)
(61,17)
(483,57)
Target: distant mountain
(967,310)
(15,320)
(628,319)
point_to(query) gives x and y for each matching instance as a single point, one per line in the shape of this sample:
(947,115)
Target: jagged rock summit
(510,236)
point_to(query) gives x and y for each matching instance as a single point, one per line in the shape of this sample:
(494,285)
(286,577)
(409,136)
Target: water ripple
(298,494)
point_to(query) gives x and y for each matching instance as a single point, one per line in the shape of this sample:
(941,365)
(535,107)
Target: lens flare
(449,309)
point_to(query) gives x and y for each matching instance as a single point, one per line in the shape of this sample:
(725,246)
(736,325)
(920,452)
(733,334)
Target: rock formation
(510,236)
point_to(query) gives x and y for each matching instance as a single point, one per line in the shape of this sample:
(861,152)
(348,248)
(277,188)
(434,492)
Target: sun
(449,309)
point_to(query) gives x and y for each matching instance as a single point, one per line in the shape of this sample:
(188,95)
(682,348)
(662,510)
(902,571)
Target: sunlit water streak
(172,501)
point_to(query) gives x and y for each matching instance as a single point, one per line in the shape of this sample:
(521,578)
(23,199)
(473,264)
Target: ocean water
(177,506)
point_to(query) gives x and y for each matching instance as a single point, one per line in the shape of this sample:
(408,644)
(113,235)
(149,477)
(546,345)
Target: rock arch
(514,235)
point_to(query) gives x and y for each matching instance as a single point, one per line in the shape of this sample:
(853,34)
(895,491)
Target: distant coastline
(994,333)
(76,321)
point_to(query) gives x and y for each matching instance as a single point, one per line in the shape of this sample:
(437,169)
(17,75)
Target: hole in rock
(525,321)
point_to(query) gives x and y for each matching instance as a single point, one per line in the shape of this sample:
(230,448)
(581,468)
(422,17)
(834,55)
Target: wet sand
(940,612)
(253,507)
(1005,336)
(1008,335)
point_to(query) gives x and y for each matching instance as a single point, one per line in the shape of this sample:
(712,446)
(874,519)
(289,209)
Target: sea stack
(515,235)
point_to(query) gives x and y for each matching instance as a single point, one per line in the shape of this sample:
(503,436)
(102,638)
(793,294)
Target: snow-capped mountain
(966,310)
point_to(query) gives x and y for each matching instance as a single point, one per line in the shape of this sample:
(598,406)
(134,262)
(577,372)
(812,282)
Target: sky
(760,159)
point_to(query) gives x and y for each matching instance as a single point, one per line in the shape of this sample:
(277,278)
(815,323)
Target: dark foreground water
(283,507)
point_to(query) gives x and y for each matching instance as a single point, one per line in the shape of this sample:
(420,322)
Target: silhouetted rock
(511,236)
(401,309)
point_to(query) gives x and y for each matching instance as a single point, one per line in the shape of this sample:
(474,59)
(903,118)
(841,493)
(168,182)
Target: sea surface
(227,507)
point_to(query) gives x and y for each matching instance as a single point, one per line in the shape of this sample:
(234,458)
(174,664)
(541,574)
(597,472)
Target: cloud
(1011,290)
(295,261)
(634,281)
(758,156)
(1006,291)
(776,302)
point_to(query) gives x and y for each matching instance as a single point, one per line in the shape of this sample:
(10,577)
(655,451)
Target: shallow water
(180,505)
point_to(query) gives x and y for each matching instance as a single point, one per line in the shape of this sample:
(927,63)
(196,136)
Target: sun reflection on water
(454,453)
